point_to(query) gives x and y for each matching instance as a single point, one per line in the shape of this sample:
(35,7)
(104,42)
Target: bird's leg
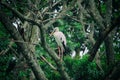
(61,55)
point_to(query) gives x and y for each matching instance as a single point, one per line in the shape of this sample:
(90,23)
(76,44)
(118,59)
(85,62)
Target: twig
(20,15)
(24,42)
(6,50)
(73,18)
(43,58)
(14,51)
(47,8)
(51,19)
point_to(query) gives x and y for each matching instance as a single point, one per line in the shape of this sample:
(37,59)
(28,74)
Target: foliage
(71,25)
(82,69)
(79,69)
(50,73)
(6,56)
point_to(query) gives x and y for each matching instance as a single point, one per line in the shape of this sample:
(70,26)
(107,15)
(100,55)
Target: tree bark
(105,26)
(59,64)
(39,74)
(109,41)
(54,56)
(114,73)
(99,42)
(109,50)
(31,35)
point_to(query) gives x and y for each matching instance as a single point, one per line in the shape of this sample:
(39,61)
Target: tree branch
(19,14)
(43,40)
(39,74)
(95,14)
(43,58)
(6,50)
(60,15)
(99,42)
(47,8)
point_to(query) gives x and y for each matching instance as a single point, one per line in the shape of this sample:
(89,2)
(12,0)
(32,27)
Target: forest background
(92,30)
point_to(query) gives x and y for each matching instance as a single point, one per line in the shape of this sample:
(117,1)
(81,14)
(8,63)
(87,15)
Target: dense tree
(86,24)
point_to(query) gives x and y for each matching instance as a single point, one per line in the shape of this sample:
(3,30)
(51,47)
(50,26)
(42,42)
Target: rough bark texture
(54,56)
(109,50)
(109,41)
(31,35)
(114,73)
(99,42)
(42,29)
(39,74)
(105,28)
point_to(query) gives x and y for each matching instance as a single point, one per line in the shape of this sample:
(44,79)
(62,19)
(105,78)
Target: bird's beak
(52,33)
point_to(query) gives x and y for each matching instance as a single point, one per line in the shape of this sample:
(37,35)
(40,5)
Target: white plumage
(60,39)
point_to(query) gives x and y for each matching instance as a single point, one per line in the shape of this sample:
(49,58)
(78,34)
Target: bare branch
(20,15)
(39,74)
(52,13)
(95,14)
(99,42)
(73,18)
(45,60)
(53,19)
(47,8)
(60,15)
(25,42)
(6,50)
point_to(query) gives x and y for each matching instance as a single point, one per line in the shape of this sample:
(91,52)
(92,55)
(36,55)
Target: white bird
(61,41)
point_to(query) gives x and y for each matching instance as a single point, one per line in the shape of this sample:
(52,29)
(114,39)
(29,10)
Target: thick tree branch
(95,14)
(59,63)
(53,54)
(102,38)
(39,74)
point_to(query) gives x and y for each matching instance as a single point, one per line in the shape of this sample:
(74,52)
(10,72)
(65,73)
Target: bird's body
(60,40)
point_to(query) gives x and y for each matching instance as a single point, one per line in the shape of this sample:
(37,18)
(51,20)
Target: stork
(61,41)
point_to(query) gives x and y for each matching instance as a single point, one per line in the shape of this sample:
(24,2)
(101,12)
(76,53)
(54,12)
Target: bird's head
(56,29)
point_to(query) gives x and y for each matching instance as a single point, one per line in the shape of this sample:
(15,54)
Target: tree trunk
(114,73)
(42,29)
(109,50)
(31,36)
(39,74)
(109,41)
(58,62)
